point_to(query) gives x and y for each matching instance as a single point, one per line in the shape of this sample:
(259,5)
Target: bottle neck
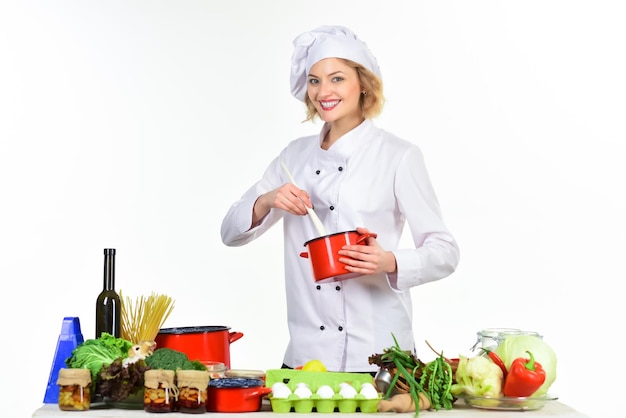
(109,269)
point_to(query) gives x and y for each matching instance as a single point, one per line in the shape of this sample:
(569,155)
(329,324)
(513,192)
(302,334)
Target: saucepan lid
(235,382)
(193,329)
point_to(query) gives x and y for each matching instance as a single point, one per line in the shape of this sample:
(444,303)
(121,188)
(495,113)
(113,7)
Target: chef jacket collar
(350,141)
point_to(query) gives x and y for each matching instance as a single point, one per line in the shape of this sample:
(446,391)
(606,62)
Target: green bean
(392,385)
(434,382)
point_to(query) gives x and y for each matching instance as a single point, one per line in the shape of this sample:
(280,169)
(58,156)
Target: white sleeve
(237,227)
(436,253)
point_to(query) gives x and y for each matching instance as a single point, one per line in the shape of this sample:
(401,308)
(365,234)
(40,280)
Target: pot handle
(363,237)
(234,336)
(260,391)
(304,255)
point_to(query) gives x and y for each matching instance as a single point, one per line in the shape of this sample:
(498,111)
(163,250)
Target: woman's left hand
(367,259)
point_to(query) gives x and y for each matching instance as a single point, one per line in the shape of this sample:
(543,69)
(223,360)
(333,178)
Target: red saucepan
(206,343)
(236,395)
(323,253)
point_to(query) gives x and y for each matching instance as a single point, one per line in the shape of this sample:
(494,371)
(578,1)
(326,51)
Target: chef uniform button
(318,287)
(317,172)
(340,169)
(331,207)
(340,328)
(322,327)
(337,288)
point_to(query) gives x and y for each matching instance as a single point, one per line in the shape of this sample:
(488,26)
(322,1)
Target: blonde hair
(371,101)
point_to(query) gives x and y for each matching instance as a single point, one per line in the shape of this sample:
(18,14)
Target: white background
(135,124)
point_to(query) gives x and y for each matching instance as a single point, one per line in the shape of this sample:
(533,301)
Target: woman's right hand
(287,197)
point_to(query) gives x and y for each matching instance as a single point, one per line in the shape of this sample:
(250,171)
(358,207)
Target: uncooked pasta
(142,320)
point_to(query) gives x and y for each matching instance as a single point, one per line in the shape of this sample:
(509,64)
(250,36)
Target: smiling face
(334,89)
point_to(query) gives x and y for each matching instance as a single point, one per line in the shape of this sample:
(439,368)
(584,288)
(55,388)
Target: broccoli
(169,359)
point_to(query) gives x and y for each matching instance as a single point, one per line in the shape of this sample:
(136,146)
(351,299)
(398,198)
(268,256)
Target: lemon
(314,366)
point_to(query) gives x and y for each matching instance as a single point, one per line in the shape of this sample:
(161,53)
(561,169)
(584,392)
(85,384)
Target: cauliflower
(478,376)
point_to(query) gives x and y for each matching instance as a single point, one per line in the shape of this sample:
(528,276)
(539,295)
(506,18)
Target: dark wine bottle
(108,305)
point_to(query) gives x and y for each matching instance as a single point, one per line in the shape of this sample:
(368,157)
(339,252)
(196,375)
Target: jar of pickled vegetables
(74,389)
(192,390)
(160,391)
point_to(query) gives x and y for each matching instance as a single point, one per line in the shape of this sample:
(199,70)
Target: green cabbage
(515,346)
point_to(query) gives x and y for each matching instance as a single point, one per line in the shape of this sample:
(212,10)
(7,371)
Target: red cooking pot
(323,253)
(206,343)
(236,395)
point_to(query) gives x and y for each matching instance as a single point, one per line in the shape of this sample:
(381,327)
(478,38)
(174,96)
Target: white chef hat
(326,42)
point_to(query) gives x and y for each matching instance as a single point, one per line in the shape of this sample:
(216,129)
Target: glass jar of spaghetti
(192,390)
(160,391)
(74,389)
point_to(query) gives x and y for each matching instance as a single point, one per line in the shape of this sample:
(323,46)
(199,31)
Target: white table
(550,410)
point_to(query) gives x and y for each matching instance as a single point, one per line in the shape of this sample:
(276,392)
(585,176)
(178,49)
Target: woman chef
(357,177)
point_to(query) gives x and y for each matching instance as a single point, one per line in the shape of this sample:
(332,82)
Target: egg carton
(315,403)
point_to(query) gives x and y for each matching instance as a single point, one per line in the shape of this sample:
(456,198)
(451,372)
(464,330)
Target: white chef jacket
(368,178)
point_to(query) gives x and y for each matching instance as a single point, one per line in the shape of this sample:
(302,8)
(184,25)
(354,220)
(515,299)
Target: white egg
(325,392)
(346,390)
(280,390)
(369,391)
(303,391)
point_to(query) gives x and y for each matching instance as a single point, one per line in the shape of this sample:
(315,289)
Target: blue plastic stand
(69,339)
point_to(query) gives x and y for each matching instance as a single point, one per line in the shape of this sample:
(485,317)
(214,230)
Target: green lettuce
(515,346)
(95,353)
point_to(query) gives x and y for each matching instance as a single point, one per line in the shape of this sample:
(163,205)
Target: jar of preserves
(74,389)
(192,390)
(216,369)
(490,338)
(160,391)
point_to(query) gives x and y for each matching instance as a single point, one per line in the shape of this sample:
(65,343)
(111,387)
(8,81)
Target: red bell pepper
(524,378)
